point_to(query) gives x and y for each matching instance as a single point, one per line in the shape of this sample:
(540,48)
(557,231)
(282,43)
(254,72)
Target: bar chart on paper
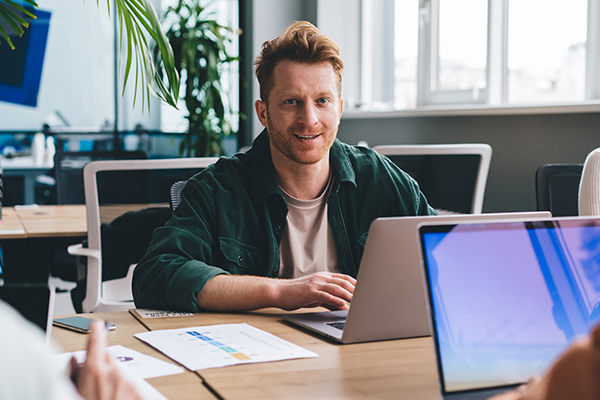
(215,346)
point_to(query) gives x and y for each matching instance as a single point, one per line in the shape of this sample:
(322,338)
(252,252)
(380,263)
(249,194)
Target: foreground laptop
(389,300)
(34,301)
(507,298)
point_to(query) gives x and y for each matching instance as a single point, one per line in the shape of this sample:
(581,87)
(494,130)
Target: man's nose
(308,116)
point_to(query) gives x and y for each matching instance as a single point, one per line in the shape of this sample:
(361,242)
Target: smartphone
(79,324)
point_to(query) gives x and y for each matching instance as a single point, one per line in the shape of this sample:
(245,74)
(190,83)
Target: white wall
(77,78)
(271,17)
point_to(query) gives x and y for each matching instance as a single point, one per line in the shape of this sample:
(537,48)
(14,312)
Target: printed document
(214,346)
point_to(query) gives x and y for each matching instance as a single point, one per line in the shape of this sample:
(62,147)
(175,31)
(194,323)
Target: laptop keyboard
(338,325)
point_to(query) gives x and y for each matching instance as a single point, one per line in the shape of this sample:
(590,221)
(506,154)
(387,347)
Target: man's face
(302,112)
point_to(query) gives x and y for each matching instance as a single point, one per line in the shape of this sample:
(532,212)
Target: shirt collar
(264,179)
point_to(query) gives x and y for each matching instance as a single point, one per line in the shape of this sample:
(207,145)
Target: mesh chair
(68,169)
(125,201)
(176,194)
(451,176)
(557,188)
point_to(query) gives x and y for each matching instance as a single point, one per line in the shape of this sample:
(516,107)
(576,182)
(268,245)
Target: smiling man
(284,224)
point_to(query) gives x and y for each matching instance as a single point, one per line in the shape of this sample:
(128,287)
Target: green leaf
(23,9)
(6,37)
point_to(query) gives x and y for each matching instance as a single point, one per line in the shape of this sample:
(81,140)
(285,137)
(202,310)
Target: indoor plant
(137,19)
(200,48)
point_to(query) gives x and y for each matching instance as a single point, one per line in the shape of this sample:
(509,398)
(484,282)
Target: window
(546,62)
(450,53)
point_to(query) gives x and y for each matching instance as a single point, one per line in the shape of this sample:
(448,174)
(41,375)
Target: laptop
(507,298)
(34,301)
(389,299)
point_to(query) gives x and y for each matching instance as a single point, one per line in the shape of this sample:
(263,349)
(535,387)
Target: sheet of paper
(136,363)
(214,346)
(146,313)
(135,366)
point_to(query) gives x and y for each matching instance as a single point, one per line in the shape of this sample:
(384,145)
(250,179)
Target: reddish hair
(301,42)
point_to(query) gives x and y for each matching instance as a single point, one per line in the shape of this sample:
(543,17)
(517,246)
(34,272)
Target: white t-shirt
(307,244)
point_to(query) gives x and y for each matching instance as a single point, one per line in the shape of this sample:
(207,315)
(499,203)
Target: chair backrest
(125,201)
(68,169)
(452,176)
(557,188)
(176,194)
(589,188)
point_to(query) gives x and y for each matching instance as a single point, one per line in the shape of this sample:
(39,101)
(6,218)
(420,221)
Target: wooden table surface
(53,221)
(11,226)
(395,369)
(187,385)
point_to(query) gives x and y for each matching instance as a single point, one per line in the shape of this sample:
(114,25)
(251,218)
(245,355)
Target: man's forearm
(237,293)
(243,293)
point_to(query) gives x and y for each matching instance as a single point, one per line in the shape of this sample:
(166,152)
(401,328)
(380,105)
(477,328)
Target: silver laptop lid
(508,297)
(390,299)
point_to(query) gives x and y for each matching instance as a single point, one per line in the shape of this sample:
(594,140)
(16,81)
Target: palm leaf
(13,20)
(137,20)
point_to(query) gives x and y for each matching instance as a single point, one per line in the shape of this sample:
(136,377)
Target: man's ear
(261,112)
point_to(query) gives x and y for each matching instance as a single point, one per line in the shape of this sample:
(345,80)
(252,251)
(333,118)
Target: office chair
(125,201)
(557,188)
(451,176)
(589,188)
(68,170)
(176,194)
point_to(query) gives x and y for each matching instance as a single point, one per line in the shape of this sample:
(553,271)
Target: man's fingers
(97,341)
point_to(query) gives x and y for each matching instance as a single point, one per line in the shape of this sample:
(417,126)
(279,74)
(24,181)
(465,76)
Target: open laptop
(34,301)
(389,300)
(507,298)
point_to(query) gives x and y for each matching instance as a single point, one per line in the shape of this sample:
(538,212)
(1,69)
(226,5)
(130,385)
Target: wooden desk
(11,226)
(183,386)
(53,221)
(31,235)
(396,369)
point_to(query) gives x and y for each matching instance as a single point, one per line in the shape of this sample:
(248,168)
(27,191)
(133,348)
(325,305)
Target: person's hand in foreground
(100,378)
(575,375)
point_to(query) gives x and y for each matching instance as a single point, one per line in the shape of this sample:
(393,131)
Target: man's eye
(323,100)
(290,101)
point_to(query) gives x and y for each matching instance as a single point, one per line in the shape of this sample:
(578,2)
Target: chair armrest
(79,250)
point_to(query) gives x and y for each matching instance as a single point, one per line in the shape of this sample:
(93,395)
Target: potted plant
(200,48)
(137,19)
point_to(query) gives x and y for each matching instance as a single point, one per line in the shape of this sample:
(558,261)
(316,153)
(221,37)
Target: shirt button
(240,259)
(278,228)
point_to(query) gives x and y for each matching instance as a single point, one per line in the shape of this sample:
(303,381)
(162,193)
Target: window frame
(492,99)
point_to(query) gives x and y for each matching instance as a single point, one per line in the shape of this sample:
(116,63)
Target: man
(297,205)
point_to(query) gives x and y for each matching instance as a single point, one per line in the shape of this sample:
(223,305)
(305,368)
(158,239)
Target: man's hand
(244,293)
(100,378)
(326,289)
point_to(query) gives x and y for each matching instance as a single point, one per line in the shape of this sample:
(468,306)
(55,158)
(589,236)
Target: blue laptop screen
(507,298)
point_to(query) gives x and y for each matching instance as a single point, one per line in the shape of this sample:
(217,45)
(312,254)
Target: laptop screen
(508,297)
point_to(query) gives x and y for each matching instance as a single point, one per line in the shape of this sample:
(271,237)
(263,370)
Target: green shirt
(232,215)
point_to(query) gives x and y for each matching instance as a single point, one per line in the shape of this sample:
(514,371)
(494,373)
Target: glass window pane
(226,12)
(546,51)
(406,43)
(77,76)
(462,45)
